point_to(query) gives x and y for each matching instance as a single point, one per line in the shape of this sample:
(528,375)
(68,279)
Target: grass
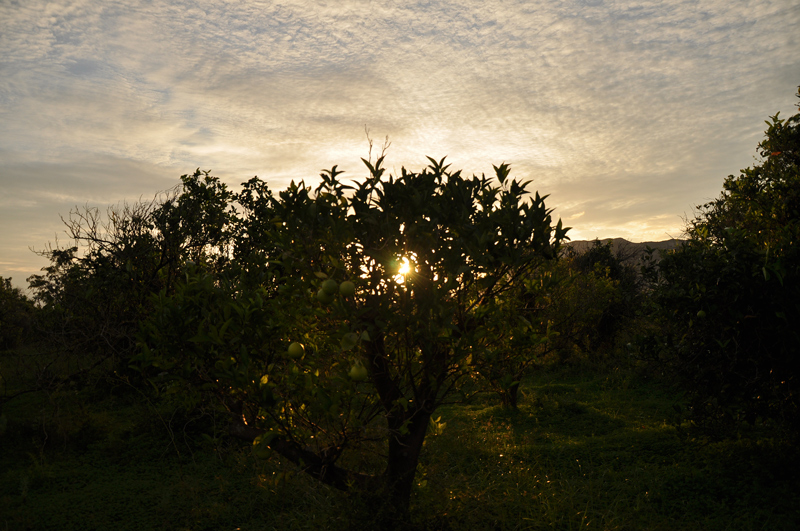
(590,450)
(584,452)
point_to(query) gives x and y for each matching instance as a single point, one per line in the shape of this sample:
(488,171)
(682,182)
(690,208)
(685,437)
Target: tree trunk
(510,396)
(391,503)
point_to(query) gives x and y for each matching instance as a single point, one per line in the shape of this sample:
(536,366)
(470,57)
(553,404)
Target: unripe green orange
(349,341)
(296,350)
(347,289)
(358,373)
(324,297)
(330,286)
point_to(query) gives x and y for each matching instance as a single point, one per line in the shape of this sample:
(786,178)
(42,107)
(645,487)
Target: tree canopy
(730,292)
(318,343)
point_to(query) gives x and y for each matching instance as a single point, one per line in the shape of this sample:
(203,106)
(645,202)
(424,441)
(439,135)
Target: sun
(405,267)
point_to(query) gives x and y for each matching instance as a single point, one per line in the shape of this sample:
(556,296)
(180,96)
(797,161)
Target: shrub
(16,315)
(729,295)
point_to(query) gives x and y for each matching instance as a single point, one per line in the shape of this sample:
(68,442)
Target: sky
(628,113)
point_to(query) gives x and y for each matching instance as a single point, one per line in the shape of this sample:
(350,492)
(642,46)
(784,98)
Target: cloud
(630,111)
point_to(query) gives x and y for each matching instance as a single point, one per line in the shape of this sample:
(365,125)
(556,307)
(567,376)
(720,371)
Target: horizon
(627,114)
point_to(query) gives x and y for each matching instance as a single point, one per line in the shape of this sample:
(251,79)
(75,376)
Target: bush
(16,315)
(728,297)
(600,298)
(94,294)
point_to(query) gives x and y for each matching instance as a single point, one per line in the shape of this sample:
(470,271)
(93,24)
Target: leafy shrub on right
(729,297)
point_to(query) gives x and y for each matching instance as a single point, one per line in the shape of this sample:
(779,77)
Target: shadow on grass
(580,453)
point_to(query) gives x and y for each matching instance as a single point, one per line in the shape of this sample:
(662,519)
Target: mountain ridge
(626,250)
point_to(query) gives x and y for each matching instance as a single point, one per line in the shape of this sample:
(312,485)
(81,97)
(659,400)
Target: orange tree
(93,295)
(596,298)
(16,315)
(729,295)
(321,345)
(518,333)
(566,310)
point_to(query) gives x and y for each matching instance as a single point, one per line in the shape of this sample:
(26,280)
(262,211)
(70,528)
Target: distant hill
(629,251)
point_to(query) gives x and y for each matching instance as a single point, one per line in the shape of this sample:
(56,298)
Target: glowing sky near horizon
(628,113)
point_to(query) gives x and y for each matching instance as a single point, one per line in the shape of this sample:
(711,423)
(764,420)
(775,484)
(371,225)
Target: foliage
(96,291)
(565,311)
(17,319)
(729,295)
(518,337)
(376,365)
(599,296)
(16,315)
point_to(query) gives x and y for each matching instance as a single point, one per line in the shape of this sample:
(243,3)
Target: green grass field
(586,450)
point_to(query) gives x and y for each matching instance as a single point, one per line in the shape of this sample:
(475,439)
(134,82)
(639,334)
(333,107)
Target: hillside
(628,250)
